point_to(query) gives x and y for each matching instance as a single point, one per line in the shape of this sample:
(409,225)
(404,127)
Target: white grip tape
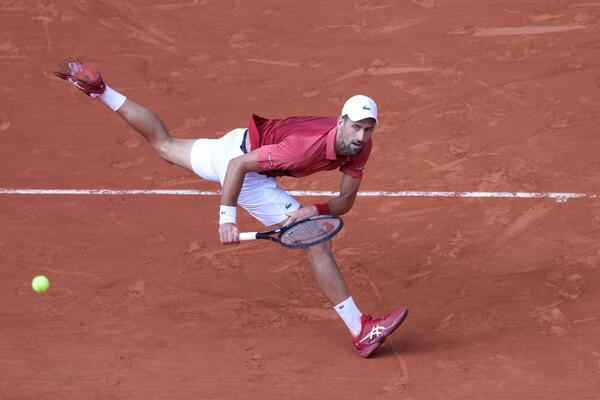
(248,235)
(227,214)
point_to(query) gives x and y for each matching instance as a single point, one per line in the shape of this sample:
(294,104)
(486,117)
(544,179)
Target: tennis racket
(304,233)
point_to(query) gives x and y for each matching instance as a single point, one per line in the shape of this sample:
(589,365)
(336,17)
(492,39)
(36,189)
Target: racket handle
(248,235)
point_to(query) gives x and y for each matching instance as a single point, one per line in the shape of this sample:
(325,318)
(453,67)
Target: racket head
(310,231)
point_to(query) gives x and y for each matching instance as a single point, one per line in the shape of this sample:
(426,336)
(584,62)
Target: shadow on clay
(411,345)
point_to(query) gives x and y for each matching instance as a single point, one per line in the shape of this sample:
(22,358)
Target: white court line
(558,196)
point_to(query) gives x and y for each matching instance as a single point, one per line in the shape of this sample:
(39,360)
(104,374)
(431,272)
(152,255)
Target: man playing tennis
(247,161)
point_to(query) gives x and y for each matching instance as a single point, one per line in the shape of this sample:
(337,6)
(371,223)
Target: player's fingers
(229,234)
(225,238)
(232,236)
(233,239)
(291,219)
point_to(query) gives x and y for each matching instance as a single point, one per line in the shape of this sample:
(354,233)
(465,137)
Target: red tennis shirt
(301,146)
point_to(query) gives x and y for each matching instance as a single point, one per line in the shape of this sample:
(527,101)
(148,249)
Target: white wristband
(227,215)
(112,98)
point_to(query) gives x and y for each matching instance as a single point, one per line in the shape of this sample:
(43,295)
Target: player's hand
(300,214)
(229,234)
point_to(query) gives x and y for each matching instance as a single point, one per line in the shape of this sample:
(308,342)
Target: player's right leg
(150,126)
(143,120)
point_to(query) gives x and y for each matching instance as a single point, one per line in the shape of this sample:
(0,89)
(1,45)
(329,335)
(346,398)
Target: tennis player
(247,161)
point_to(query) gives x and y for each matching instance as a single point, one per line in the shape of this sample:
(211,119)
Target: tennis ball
(40,284)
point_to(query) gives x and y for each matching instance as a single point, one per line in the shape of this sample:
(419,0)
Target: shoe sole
(371,348)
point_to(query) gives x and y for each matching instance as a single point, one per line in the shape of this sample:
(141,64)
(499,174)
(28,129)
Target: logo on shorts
(288,205)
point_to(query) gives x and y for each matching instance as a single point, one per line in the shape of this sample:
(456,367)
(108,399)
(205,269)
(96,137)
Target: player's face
(352,135)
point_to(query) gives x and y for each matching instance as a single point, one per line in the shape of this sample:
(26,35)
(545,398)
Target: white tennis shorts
(260,195)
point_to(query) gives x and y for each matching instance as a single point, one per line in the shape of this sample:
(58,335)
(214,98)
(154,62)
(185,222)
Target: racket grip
(248,235)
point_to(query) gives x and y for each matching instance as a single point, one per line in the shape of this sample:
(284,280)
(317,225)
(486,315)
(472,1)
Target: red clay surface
(146,304)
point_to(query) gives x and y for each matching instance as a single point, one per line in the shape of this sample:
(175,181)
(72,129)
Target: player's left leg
(268,203)
(368,333)
(327,273)
(330,280)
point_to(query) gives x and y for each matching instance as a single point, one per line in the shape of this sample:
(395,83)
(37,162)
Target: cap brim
(360,116)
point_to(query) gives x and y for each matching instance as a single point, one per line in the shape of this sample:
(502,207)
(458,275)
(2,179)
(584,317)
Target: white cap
(360,107)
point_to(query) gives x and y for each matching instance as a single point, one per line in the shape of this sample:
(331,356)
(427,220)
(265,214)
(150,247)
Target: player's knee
(164,150)
(321,250)
(176,151)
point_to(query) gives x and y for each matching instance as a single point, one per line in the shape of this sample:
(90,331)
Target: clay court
(145,303)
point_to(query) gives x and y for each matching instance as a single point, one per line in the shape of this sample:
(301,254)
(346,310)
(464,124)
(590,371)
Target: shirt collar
(330,147)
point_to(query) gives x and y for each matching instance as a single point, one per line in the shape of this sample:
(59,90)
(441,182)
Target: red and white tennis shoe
(375,330)
(84,78)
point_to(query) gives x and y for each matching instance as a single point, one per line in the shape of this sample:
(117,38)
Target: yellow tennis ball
(40,284)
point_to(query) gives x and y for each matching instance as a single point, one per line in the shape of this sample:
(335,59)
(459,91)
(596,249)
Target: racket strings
(311,231)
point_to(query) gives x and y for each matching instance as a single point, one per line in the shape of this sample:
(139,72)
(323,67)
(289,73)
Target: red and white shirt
(301,146)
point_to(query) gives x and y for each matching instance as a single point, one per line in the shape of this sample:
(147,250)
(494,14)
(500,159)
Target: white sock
(350,315)
(112,98)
